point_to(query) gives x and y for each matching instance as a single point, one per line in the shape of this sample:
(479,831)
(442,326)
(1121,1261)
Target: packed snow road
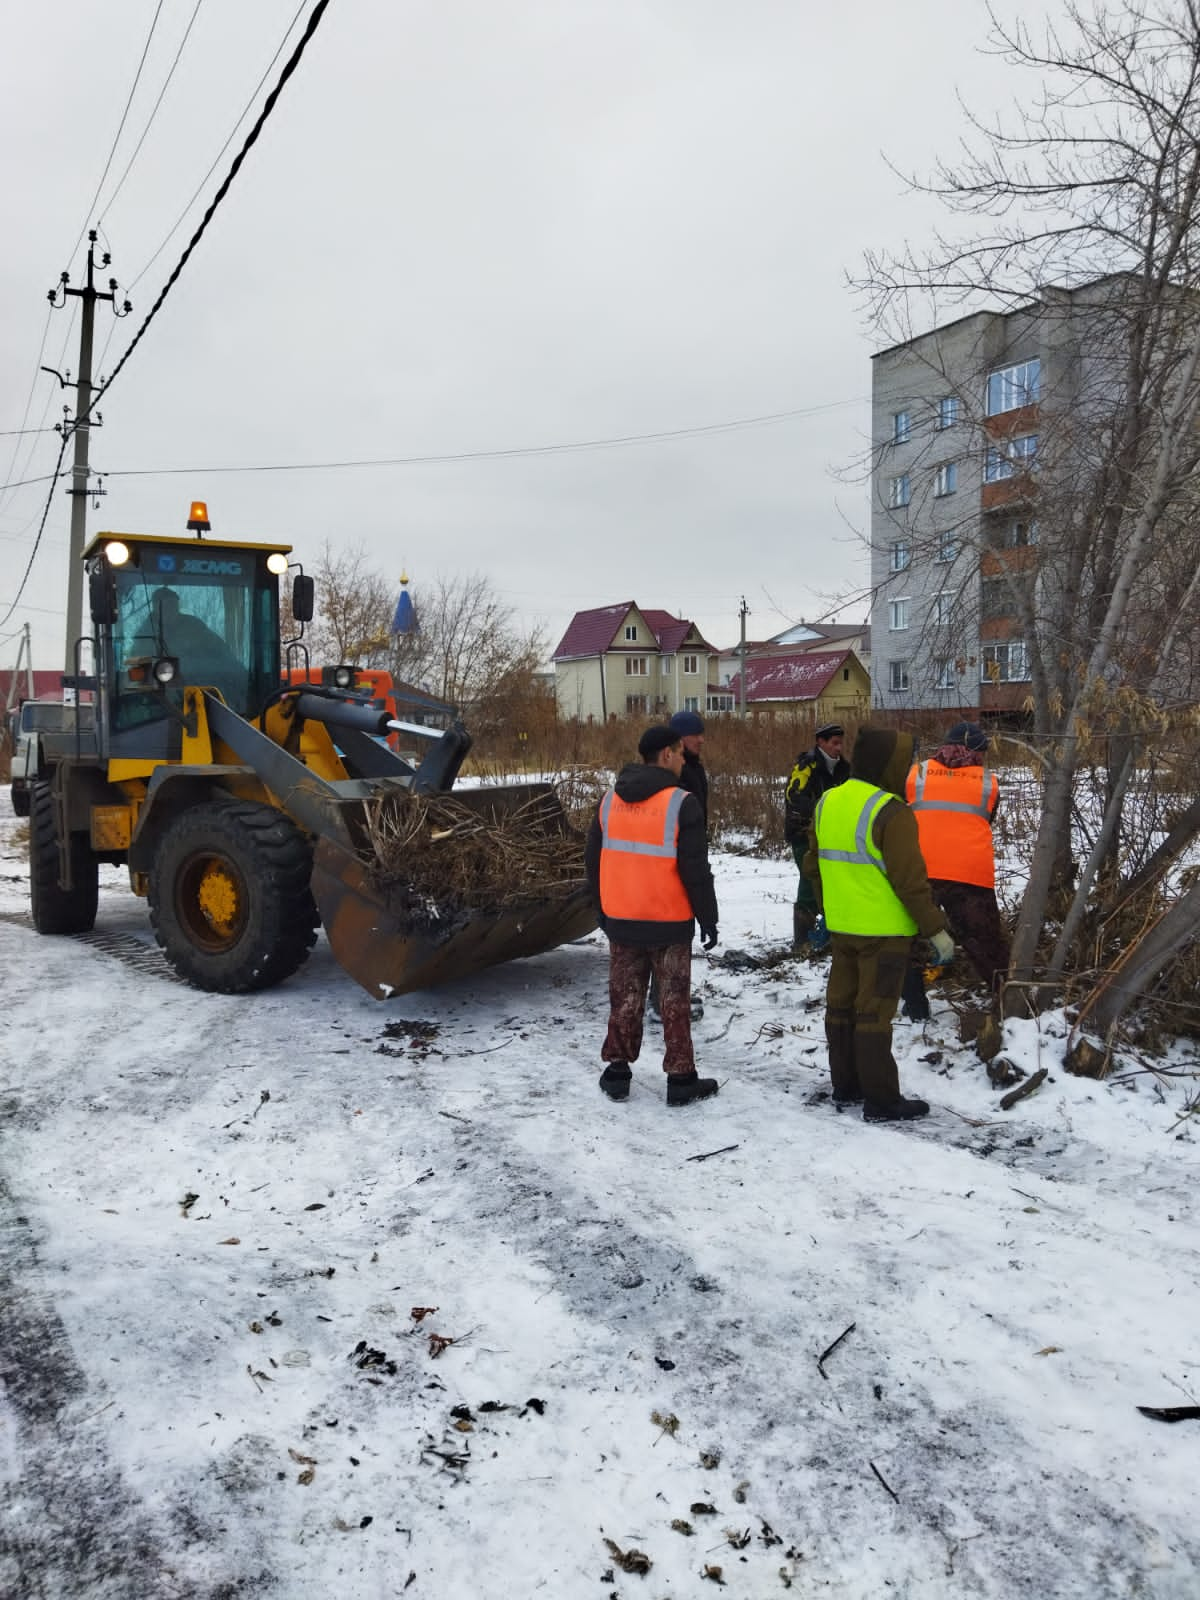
(302,1295)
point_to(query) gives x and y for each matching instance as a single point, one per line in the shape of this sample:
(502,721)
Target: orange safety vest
(639,872)
(953,807)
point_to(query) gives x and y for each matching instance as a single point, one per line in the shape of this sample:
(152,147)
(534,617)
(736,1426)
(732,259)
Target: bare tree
(1088,201)
(466,642)
(354,611)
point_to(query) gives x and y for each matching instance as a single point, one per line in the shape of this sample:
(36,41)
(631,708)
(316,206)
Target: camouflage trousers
(974,919)
(629,970)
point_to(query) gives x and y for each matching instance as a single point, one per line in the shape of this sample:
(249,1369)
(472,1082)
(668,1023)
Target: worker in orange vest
(647,864)
(954,797)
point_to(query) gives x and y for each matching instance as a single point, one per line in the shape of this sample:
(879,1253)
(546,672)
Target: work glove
(943,947)
(708,938)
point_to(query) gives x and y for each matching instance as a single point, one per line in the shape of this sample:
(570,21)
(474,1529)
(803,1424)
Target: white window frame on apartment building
(899,492)
(945,676)
(1018,533)
(943,606)
(948,546)
(1015,455)
(1013,668)
(901,427)
(947,412)
(691,702)
(898,613)
(1010,388)
(901,555)
(636,667)
(898,676)
(691,666)
(945,480)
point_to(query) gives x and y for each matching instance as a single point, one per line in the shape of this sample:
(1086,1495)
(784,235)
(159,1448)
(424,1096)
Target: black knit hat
(687,722)
(968,733)
(655,740)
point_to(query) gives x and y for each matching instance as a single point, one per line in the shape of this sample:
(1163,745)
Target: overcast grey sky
(476,226)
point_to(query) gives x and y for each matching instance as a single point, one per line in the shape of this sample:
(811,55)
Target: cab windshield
(216,613)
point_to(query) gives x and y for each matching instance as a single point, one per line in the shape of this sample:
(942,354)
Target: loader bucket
(392,946)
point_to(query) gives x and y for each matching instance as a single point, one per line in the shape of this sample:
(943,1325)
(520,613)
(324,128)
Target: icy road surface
(306,1296)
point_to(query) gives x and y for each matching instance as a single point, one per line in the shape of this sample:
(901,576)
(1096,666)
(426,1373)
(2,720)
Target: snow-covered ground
(220,1218)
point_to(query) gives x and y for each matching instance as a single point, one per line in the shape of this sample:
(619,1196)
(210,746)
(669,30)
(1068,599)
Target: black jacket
(694,779)
(638,782)
(809,780)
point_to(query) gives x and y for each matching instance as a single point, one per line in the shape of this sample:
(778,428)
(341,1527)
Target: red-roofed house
(624,660)
(829,685)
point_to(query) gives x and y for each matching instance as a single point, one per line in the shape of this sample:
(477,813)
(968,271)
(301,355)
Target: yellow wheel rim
(217,898)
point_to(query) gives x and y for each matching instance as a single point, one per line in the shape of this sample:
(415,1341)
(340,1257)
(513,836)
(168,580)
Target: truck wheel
(230,900)
(20,800)
(57,910)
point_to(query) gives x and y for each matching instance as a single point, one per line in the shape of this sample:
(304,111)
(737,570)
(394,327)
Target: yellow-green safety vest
(854,883)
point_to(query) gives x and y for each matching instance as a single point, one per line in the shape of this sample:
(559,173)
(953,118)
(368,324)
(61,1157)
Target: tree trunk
(1137,970)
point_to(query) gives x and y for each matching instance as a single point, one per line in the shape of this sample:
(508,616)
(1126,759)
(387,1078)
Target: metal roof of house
(802,676)
(592,633)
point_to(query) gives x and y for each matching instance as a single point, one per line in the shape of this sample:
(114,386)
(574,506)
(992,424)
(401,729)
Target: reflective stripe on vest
(857,895)
(955,833)
(639,869)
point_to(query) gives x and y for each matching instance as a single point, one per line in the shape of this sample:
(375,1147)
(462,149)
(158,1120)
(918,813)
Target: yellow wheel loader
(239,801)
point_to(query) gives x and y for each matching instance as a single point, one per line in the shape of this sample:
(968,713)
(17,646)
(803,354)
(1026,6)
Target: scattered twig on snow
(711,1038)
(884,1482)
(773,1030)
(1170,1413)
(420,1177)
(724,1150)
(1019,1093)
(491,1049)
(454,1117)
(825,1354)
(95,1413)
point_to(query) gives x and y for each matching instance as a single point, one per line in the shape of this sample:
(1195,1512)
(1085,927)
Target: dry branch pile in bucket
(451,854)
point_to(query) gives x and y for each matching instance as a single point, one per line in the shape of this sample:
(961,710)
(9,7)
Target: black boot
(615,1080)
(849,1097)
(898,1110)
(684,1087)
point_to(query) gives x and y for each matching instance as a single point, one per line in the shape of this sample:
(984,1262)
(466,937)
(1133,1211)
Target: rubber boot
(684,1087)
(875,1064)
(898,1110)
(615,1080)
(819,937)
(839,1034)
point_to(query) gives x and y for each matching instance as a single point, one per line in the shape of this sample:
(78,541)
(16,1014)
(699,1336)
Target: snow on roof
(802,676)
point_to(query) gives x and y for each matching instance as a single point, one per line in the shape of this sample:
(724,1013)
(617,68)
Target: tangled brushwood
(477,850)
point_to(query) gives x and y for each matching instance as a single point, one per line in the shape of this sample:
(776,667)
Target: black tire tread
(57,910)
(285,928)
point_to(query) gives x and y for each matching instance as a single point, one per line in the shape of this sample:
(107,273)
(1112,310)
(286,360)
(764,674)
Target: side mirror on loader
(102,592)
(303,597)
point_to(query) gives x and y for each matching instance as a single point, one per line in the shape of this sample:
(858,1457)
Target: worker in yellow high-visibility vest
(866,865)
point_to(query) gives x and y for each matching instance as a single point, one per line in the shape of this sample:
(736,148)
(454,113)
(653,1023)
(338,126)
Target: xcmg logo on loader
(201,569)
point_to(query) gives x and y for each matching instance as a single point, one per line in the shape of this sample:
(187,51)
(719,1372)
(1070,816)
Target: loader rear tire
(229,895)
(57,910)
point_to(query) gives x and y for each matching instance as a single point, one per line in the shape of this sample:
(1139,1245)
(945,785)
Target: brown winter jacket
(883,757)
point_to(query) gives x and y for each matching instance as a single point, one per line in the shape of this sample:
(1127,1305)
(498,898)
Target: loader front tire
(54,909)
(229,895)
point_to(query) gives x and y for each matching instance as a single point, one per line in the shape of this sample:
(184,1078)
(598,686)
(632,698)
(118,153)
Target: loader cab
(206,608)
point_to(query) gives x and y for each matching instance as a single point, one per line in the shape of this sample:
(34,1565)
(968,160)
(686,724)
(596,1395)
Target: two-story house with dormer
(628,660)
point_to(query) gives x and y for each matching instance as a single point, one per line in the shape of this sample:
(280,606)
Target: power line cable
(16,450)
(232,135)
(269,105)
(137,78)
(18,433)
(50,397)
(62,450)
(616,442)
(109,203)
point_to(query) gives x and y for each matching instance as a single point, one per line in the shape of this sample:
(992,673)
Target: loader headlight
(277,563)
(116,553)
(343,677)
(166,670)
